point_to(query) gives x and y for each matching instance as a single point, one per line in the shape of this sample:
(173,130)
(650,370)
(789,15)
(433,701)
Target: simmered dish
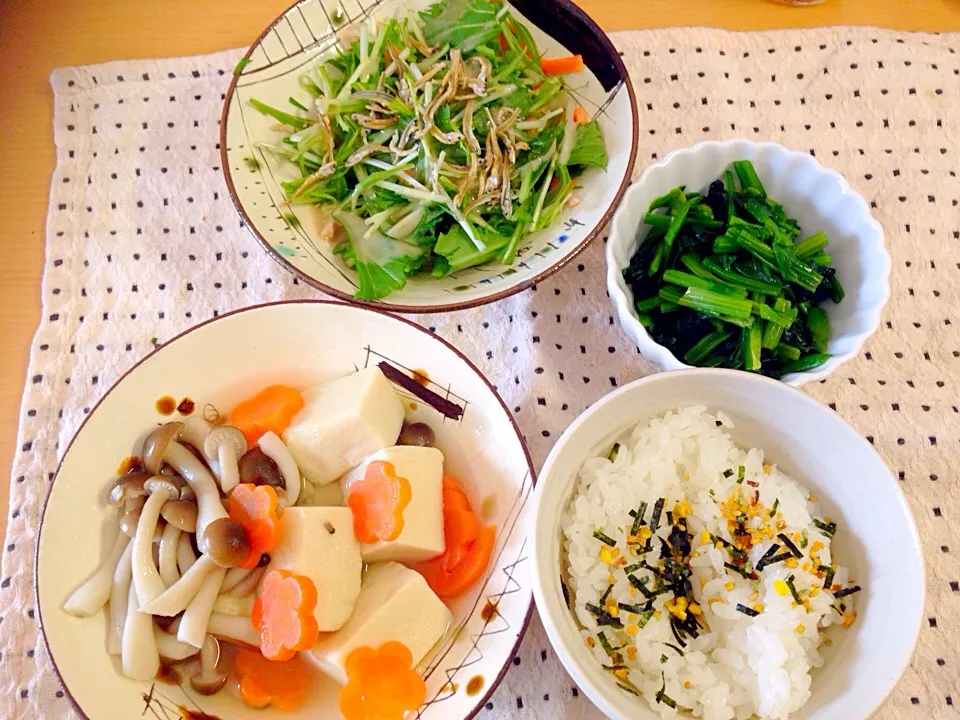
(314,532)
(702,576)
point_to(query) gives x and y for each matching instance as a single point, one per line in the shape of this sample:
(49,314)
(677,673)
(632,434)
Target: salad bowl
(298,234)
(299,344)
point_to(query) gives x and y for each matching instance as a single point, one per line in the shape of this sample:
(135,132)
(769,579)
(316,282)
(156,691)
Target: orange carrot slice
(272,408)
(284,614)
(266,682)
(381,684)
(460,529)
(378,500)
(255,507)
(580,115)
(561,65)
(450,582)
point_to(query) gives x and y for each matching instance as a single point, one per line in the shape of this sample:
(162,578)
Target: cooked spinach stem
(663,221)
(748,611)
(604,538)
(706,345)
(752,337)
(793,589)
(788,543)
(807,362)
(772,332)
(811,246)
(715,304)
(819,326)
(788,352)
(747,174)
(738,280)
(651,303)
(686,280)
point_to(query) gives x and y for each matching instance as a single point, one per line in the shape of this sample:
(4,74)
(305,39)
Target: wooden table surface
(36,37)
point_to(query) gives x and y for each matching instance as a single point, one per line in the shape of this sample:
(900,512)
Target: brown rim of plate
(251,308)
(565,6)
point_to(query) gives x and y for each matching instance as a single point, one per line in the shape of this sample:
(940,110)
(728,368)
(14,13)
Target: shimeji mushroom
(186,557)
(178,596)
(169,543)
(181,513)
(211,676)
(161,447)
(194,431)
(228,542)
(170,648)
(88,599)
(273,447)
(146,578)
(233,577)
(127,488)
(119,594)
(234,628)
(226,445)
(249,583)
(193,625)
(139,657)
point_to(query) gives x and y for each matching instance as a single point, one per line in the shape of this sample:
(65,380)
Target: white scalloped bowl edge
(819,198)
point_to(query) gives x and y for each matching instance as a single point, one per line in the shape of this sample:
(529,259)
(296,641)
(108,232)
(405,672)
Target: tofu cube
(318,543)
(422,534)
(395,604)
(342,422)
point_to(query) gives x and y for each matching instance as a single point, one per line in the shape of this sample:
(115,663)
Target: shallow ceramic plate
(293,42)
(216,364)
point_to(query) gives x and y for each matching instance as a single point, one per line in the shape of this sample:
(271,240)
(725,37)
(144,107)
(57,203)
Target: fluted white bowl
(819,198)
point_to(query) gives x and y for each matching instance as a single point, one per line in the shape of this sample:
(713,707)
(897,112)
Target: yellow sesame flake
(754,595)
(621,673)
(677,607)
(613,610)
(816,546)
(695,609)
(780,587)
(591,642)
(805,567)
(682,509)
(826,519)
(704,537)
(686,684)
(686,476)
(766,468)
(801,629)
(812,498)
(849,619)
(631,630)
(657,614)
(729,585)
(711,601)
(793,604)
(605,555)
(758,607)
(835,587)
(631,652)
(814,591)
(645,533)
(633,591)
(791,563)
(718,544)
(703,581)
(806,603)
(611,579)
(780,523)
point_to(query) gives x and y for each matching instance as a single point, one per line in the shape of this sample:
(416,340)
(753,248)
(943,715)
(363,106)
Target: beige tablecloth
(143,242)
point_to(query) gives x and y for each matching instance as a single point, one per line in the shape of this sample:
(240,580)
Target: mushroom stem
(195,431)
(234,576)
(88,599)
(273,447)
(119,594)
(170,648)
(229,471)
(146,577)
(186,557)
(139,657)
(178,596)
(169,542)
(193,626)
(209,507)
(249,583)
(234,629)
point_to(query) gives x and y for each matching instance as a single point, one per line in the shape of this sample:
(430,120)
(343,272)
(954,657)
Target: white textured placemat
(142,242)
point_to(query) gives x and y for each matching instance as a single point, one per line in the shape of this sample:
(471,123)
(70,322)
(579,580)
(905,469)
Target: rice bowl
(731,624)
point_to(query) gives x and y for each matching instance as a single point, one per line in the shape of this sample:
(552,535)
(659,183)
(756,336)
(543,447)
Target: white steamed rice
(739,666)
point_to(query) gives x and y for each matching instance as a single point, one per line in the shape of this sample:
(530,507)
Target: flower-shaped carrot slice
(267,682)
(378,500)
(381,684)
(255,507)
(284,614)
(272,408)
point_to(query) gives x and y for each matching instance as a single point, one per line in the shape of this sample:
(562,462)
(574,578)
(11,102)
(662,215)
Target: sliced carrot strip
(272,408)
(255,507)
(284,614)
(503,43)
(378,500)
(460,529)
(448,583)
(381,684)
(266,682)
(580,115)
(561,65)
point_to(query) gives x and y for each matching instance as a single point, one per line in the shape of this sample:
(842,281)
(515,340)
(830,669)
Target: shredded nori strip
(675,648)
(790,546)
(663,659)
(641,585)
(676,631)
(793,590)
(605,539)
(776,559)
(773,509)
(566,592)
(638,518)
(737,569)
(612,455)
(603,618)
(633,568)
(847,591)
(669,517)
(629,689)
(749,612)
(736,552)
(635,609)
(645,617)
(827,528)
(605,644)
(657,511)
(740,473)
(662,697)
(728,473)
(437,402)
(828,579)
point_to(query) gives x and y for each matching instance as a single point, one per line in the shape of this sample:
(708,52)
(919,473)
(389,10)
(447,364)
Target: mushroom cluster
(171,579)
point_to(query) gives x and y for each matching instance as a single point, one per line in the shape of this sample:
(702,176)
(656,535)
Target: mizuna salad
(316,534)
(436,142)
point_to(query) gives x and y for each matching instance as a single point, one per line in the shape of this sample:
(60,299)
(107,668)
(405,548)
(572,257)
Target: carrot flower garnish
(378,500)
(272,408)
(381,684)
(284,614)
(267,682)
(255,507)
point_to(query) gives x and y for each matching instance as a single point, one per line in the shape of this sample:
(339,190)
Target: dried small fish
(375,95)
(374,123)
(363,152)
(506,199)
(472,141)
(322,173)
(447,138)
(478,83)
(484,199)
(429,75)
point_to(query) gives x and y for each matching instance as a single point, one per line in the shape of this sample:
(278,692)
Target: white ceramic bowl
(819,198)
(877,538)
(296,39)
(220,362)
